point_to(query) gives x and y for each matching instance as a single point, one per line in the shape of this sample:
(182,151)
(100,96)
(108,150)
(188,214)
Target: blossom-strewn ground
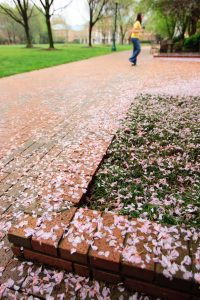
(43,283)
(62,107)
(152,167)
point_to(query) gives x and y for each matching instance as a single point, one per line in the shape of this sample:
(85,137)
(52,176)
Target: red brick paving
(55,226)
(48,260)
(178,280)
(194,248)
(76,244)
(20,233)
(52,122)
(108,243)
(95,244)
(141,263)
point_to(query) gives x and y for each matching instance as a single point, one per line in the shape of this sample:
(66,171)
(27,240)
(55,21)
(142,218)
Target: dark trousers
(136,50)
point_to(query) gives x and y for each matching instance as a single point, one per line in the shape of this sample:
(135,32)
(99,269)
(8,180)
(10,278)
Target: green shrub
(76,41)
(59,40)
(177,39)
(192,43)
(178,46)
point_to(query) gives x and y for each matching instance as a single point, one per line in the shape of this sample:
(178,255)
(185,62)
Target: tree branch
(9,12)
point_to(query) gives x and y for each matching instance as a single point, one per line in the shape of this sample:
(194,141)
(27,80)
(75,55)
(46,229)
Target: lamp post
(115,28)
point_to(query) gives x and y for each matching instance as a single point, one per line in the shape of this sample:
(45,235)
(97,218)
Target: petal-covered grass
(152,168)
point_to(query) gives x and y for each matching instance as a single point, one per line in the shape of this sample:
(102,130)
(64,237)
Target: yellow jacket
(136,30)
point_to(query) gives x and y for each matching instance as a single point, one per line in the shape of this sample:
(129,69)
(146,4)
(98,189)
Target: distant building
(102,33)
(67,34)
(78,35)
(60,32)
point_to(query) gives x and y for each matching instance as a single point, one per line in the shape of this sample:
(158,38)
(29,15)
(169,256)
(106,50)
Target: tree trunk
(182,35)
(27,30)
(192,28)
(50,35)
(9,38)
(13,33)
(28,36)
(122,37)
(104,38)
(90,35)
(14,38)
(171,26)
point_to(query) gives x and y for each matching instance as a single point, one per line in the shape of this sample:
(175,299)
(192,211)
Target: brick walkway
(158,260)
(56,125)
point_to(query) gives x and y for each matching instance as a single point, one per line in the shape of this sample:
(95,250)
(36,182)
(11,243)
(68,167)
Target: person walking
(135,39)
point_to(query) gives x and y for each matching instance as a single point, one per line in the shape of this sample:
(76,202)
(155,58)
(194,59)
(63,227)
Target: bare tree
(21,14)
(47,8)
(97,9)
(48,11)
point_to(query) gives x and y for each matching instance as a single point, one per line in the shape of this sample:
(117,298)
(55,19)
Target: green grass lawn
(18,59)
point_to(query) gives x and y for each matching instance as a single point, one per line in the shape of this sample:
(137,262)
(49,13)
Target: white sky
(76,13)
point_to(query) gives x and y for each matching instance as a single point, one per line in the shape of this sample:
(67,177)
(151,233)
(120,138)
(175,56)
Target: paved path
(48,115)
(34,103)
